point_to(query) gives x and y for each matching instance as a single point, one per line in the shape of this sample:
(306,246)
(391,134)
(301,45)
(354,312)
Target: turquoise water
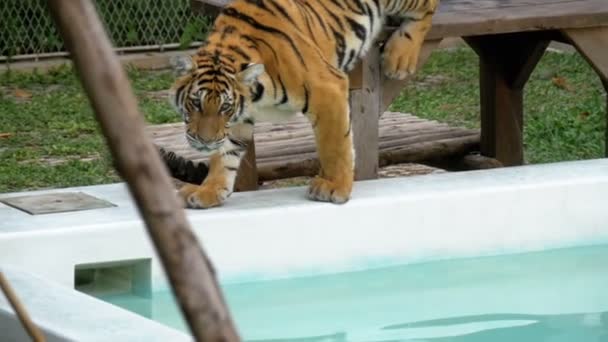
(552,296)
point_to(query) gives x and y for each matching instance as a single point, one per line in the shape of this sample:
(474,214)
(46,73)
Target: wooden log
(189,270)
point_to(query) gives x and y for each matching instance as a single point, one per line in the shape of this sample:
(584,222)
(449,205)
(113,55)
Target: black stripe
(213,80)
(284,99)
(305,108)
(241,106)
(304,14)
(229,29)
(331,14)
(239,52)
(378,8)
(283,12)
(258,40)
(256,92)
(351,56)
(179,94)
(232,12)
(359,29)
(371,15)
(339,5)
(318,16)
(234,153)
(238,143)
(340,47)
(360,6)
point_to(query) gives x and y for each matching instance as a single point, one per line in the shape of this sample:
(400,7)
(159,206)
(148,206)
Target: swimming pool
(471,256)
(557,295)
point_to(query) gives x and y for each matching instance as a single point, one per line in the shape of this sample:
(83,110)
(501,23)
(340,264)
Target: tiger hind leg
(329,115)
(402,50)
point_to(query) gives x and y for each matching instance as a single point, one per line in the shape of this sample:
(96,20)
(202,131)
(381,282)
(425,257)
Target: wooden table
(509,36)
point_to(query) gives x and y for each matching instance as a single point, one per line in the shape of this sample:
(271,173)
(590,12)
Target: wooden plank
(506,62)
(402,137)
(308,165)
(460,18)
(592,44)
(365,110)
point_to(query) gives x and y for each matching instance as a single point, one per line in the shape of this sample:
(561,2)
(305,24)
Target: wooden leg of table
(506,62)
(247,175)
(592,44)
(364,108)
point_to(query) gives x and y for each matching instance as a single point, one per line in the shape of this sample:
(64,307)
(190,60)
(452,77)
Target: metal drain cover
(56,203)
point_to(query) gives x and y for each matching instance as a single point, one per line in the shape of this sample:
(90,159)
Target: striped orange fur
(273,59)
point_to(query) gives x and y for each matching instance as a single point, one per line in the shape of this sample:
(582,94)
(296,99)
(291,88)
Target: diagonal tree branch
(20,311)
(188,268)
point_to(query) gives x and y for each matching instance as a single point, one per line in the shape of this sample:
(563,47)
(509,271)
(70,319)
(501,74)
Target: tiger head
(212,97)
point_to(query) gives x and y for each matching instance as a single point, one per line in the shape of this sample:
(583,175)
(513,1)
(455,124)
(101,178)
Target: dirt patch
(54,161)
(161,95)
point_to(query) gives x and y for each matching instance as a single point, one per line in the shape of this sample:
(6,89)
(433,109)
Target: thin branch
(19,309)
(188,268)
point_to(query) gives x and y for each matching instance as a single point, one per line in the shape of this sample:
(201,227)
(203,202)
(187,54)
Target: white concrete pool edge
(276,233)
(63,314)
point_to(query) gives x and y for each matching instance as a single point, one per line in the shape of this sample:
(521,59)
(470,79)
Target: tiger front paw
(400,55)
(204,196)
(321,189)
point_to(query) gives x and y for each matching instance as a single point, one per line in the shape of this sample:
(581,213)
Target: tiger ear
(250,73)
(182,65)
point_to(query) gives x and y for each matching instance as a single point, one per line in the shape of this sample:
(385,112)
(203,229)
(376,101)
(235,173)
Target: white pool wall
(279,233)
(63,314)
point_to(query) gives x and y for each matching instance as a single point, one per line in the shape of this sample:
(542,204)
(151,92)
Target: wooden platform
(288,150)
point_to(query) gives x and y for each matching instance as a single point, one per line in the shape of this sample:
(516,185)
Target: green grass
(560,123)
(54,140)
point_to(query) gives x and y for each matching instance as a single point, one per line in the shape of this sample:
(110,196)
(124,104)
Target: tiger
(269,60)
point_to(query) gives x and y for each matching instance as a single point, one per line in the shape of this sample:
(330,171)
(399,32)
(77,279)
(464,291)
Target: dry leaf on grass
(5,135)
(561,83)
(22,94)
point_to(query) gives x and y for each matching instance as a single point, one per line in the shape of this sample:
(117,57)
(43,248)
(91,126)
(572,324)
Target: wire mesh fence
(28,32)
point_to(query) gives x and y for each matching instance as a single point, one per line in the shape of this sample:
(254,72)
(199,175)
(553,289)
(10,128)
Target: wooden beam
(592,44)
(365,109)
(189,270)
(506,62)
